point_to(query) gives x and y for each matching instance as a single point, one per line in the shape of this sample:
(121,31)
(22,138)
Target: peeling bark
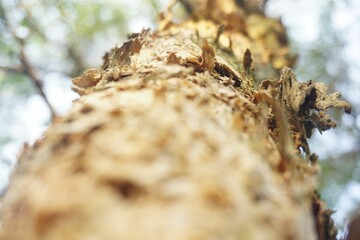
(173,139)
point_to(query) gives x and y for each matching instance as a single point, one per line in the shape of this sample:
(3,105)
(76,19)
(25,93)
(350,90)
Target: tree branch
(25,66)
(9,69)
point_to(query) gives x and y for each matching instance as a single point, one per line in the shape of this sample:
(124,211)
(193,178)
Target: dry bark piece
(306,102)
(121,56)
(325,226)
(247,60)
(207,57)
(172,59)
(323,101)
(302,97)
(88,79)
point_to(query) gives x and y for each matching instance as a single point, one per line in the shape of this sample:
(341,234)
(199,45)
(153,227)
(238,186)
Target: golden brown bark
(173,139)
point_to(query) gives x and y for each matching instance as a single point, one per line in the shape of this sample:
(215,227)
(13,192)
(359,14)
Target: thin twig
(25,67)
(9,69)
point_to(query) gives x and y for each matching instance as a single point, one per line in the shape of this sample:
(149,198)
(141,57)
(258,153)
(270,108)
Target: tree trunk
(173,138)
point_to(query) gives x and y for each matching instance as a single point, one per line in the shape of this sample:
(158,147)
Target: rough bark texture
(172,139)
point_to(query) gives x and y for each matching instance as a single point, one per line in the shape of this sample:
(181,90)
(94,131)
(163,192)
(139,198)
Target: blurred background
(59,39)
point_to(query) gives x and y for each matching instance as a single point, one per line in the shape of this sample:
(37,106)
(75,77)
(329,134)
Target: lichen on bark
(173,139)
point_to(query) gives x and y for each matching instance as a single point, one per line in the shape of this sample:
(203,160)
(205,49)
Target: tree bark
(174,138)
